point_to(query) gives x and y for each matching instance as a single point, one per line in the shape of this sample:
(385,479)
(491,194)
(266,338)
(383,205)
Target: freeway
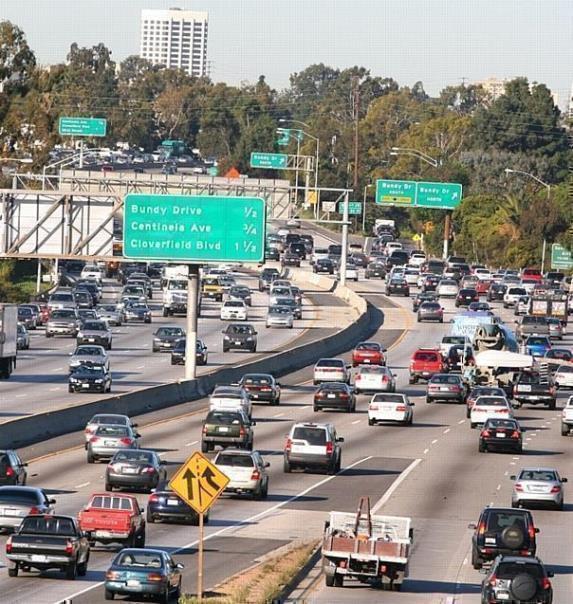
(40,382)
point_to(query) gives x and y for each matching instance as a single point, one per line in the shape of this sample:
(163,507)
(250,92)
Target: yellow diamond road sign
(199,482)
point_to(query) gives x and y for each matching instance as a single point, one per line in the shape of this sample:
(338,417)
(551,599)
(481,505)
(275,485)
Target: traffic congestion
(471,368)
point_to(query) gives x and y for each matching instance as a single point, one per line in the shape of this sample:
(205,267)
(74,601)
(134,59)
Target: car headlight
(80,334)
(249,339)
(156,340)
(226,338)
(75,362)
(98,381)
(74,380)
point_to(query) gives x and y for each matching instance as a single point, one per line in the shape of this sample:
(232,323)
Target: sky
(438,42)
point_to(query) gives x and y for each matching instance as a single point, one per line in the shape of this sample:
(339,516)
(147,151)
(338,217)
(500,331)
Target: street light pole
(364,208)
(343,257)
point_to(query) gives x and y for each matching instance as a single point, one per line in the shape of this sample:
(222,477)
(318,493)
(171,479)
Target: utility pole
(356,111)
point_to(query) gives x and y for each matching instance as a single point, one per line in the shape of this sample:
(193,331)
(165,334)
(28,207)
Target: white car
(417,259)
(447,288)
(483,274)
(320,253)
(512,295)
(374,378)
(449,341)
(486,407)
(330,370)
(390,408)
(522,305)
(230,398)
(411,275)
(279,292)
(351,272)
(234,310)
(392,246)
(92,271)
(564,377)
(293,223)
(529,285)
(567,418)
(246,470)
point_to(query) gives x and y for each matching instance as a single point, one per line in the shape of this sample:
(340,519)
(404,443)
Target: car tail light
(34,510)
(492,581)
(556,489)
(515,434)
(9,545)
(111,575)
(242,431)
(502,410)
(256,475)
(486,433)
(518,487)
(155,578)
(455,388)
(88,431)
(9,471)
(401,408)
(358,378)
(126,441)
(329,448)
(148,470)
(94,439)
(385,379)
(545,583)
(153,498)
(265,389)
(481,528)
(343,396)
(204,429)
(69,548)
(531,531)
(288,445)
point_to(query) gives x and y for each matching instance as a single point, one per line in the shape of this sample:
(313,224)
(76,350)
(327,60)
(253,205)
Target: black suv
(239,336)
(515,579)
(506,531)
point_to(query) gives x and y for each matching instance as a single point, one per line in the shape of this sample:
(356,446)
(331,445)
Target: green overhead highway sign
(192,228)
(82,126)
(274,161)
(561,257)
(354,208)
(414,194)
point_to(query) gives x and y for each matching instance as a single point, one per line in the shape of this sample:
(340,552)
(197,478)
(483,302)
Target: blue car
(144,572)
(537,346)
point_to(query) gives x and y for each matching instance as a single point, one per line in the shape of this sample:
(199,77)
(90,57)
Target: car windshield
(529,378)
(112,431)
(95,326)
(313,436)
(237,460)
(89,351)
(169,332)
(538,475)
(139,559)
(483,391)
(334,387)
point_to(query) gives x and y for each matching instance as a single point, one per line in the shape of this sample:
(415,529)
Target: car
(496,291)
(448,341)
(422,297)
(323,265)
(535,388)
(26,317)
(272,253)
(165,338)
(144,572)
(233,310)
(63,322)
(489,406)
(92,272)
(135,469)
(480,307)
(411,275)
(87,314)
(538,486)
(227,428)
(36,311)
(512,295)
(334,395)
(459,357)
(95,332)
(99,419)
(61,300)
(17,502)
(107,439)
(502,531)
(374,378)
(212,288)
(291,304)
(533,274)
(261,387)
(394,407)
(555,328)
(368,353)
(417,258)
(22,337)
(500,434)
(478,391)
(397,286)
(562,354)
(83,299)
(280,316)
(330,370)
(165,504)
(12,468)
(430,311)
(517,579)
(240,336)
(446,387)
(466,296)
(93,287)
(312,446)
(351,272)
(93,354)
(279,291)
(563,377)
(531,325)
(227,282)
(424,363)
(359,259)
(290,259)
(430,283)
(267,277)
(137,311)
(242,293)
(230,398)
(375,270)
(537,346)
(296,294)
(246,470)
(178,352)
(447,288)
(319,253)
(522,306)
(89,377)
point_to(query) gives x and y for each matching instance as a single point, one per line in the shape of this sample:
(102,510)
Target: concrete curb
(36,428)
(291,586)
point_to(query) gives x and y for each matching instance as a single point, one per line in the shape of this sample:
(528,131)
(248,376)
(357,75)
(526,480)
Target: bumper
(247,486)
(551,499)
(287,324)
(381,416)
(121,587)
(139,480)
(533,399)
(309,461)
(181,513)
(87,387)
(233,317)
(332,404)
(62,331)
(101,341)
(232,345)
(500,443)
(226,441)
(446,396)
(104,451)
(431,317)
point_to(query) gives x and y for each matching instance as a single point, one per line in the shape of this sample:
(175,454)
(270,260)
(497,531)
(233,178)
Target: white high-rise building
(175,38)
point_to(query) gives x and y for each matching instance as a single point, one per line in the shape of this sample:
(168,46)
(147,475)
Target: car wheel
(13,570)
(315,408)
(204,447)
(551,405)
(514,504)
(70,390)
(564,430)
(90,457)
(108,487)
(83,567)
(371,422)
(72,572)
(468,412)
(225,349)
(286,467)
(477,562)
(329,580)
(428,400)
(472,425)
(149,517)
(482,448)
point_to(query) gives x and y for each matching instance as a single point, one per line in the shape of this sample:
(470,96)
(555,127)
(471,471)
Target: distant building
(570,107)
(494,87)
(175,38)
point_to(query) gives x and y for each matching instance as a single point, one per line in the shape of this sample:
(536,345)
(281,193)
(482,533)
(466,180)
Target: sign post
(199,483)
(191,338)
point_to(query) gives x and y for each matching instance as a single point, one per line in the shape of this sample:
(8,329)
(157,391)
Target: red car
(482,286)
(368,353)
(425,363)
(534,274)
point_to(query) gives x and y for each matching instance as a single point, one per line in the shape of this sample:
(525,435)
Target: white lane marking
(534,434)
(356,421)
(307,407)
(191,444)
(498,487)
(141,367)
(462,421)
(426,451)
(244,522)
(465,561)
(511,463)
(515,458)
(278,415)
(21,395)
(434,441)
(506,473)
(446,430)
(81,486)
(55,389)
(395,485)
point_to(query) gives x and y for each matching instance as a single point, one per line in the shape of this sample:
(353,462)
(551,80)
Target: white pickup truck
(371,548)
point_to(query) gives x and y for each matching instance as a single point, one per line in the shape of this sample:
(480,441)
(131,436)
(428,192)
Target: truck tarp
(465,324)
(501,358)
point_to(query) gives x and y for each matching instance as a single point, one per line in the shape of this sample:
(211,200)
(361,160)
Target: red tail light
(545,583)
(256,475)
(155,578)
(288,445)
(9,545)
(401,408)
(242,431)
(481,528)
(148,470)
(9,471)
(515,434)
(34,510)
(486,433)
(518,487)
(69,548)
(493,581)
(531,532)
(344,396)
(385,379)
(265,389)
(556,489)
(153,498)
(126,441)
(94,439)
(329,448)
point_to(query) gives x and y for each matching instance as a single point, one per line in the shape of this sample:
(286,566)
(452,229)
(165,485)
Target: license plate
(500,434)
(8,512)
(444,389)
(366,361)
(133,583)
(223,429)
(331,396)
(237,343)
(490,540)
(502,596)
(524,389)
(129,471)
(255,396)
(38,558)
(108,443)
(85,385)
(172,502)
(103,534)
(91,339)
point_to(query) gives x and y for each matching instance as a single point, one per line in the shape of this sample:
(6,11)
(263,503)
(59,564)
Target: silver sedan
(89,353)
(280,316)
(541,486)
(108,439)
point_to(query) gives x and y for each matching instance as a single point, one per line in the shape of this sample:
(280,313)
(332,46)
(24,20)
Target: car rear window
(48,525)
(387,398)
(368,346)
(491,401)
(497,521)
(313,436)
(139,559)
(372,370)
(223,419)
(107,419)
(111,503)
(239,461)
(336,363)
(501,423)
(542,475)
(19,496)
(509,570)
(426,356)
(482,391)
(445,379)
(112,431)
(529,378)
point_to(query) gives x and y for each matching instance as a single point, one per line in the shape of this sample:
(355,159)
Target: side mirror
(255,333)
(141,510)
(267,464)
(70,354)
(472,526)
(52,501)
(253,423)
(512,477)
(223,331)
(137,435)
(564,480)
(162,462)
(25,465)
(180,566)
(340,439)
(550,574)
(412,404)
(134,425)
(536,530)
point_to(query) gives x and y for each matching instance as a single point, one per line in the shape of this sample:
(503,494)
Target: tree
(463,99)
(17,61)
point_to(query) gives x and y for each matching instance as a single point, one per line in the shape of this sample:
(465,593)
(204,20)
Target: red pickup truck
(426,362)
(113,518)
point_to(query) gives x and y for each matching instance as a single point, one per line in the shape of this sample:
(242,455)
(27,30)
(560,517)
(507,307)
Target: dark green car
(144,572)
